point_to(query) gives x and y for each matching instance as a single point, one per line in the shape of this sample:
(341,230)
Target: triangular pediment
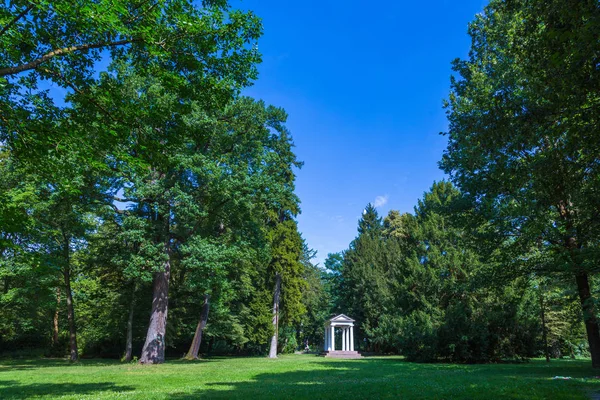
(341,318)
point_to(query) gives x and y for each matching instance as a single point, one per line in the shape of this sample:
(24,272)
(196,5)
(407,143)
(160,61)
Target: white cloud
(338,218)
(380,201)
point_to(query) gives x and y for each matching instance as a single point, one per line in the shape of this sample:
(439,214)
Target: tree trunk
(276,293)
(129,344)
(573,246)
(197,341)
(55,321)
(70,315)
(154,347)
(544,330)
(6,278)
(589,317)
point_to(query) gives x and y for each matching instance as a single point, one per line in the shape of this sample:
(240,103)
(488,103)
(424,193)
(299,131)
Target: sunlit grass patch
(297,376)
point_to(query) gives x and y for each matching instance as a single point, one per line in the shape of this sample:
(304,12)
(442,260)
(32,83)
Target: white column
(345,339)
(325,340)
(332,344)
(352,338)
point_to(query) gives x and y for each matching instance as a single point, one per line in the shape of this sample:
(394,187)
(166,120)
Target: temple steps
(342,354)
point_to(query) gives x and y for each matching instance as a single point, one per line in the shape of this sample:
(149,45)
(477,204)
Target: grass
(295,376)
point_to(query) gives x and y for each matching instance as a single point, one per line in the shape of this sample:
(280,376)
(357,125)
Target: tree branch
(121,200)
(61,52)
(15,19)
(143,14)
(118,211)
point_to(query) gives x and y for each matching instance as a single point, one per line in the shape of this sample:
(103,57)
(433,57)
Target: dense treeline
(504,263)
(147,205)
(147,208)
(436,285)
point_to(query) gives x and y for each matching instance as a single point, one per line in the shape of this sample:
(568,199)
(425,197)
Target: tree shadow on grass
(28,364)
(393,378)
(20,365)
(16,390)
(535,368)
(183,361)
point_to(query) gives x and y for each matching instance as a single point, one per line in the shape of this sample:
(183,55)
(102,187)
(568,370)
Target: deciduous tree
(523,137)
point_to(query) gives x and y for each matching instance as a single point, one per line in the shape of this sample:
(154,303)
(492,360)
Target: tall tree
(27,282)
(364,291)
(523,137)
(201,52)
(60,205)
(334,281)
(286,271)
(193,172)
(160,139)
(316,301)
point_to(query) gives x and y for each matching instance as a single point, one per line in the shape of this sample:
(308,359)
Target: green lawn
(297,376)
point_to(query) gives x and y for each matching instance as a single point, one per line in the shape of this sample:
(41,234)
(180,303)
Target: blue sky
(363,84)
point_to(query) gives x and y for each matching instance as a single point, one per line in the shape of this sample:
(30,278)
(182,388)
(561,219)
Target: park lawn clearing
(295,376)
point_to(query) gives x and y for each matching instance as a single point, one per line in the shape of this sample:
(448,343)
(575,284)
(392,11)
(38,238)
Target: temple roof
(341,318)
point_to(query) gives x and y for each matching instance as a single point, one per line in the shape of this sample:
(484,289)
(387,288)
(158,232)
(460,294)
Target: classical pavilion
(345,326)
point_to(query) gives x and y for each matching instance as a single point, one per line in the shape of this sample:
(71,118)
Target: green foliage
(317,302)
(513,118)
(286,252)
(205,46)
(421,285)
(523,138)
(288,342)
(157,164)
(256,317)
(157,159)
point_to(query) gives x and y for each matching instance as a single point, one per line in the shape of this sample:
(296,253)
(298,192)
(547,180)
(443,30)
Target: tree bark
(129,340)
(55,321)
(274,338)
(197,341)
(70,310)
(589,317)
(61,52)
(544,330)
(573,246)
(154,347)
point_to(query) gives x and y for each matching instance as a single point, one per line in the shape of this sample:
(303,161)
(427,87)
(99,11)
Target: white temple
(344,324)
